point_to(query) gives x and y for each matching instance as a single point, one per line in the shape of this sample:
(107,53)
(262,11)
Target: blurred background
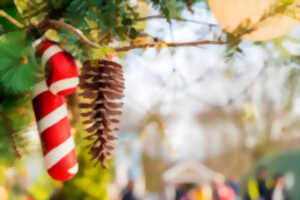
(196,121)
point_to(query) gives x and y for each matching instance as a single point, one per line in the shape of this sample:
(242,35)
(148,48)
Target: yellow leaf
(164,45)
(250,113)
(159,45)
(142,40)
(140,25)
(91,23)
(102,52)
(52,35)
(228,74)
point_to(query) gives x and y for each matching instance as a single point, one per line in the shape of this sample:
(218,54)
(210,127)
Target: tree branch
(91,44)
(177,18)
(73,30)
(151,17)
(11,19)
(183,44)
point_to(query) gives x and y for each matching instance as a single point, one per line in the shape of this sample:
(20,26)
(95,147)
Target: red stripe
(61,66)
(55,135)
(43,46)
(45,103)
(60,170)
(67,91)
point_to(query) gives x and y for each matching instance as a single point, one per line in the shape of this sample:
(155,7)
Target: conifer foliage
(18,67)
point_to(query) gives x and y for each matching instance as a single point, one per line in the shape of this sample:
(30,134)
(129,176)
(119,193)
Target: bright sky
(187,80)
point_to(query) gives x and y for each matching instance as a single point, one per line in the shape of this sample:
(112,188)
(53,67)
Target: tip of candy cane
(65,169)
(74,169)
(64,176)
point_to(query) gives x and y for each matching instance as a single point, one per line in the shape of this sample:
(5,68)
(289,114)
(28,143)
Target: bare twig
(12,137)
(151,45)
(73,30)
(14,145)
(18,7)
(36,12)
(29,3)
(79,33)
(275,9)
(177,18)
(11,19)
(197,22)
(151,17)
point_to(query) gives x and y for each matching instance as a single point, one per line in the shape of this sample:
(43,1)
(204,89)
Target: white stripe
(38,41)
(52,118)
(51,51)
(64,84)
(74,169)
(58,153)
(39,88)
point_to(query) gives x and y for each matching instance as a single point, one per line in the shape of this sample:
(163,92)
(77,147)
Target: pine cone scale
(102,83)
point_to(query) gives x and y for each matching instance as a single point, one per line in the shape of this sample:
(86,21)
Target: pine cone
(102,82)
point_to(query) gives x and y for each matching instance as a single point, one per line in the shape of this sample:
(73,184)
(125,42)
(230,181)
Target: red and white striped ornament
(55,133)
(62,71)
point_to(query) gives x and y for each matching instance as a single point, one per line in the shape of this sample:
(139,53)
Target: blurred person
(3,193)
(128,193)
(196,193)
(215,195)
(258,188)
(222,191)
(180,192)
(186,195)
(207,192)
(233,182)
(201,192)
(113,192)
(279,191)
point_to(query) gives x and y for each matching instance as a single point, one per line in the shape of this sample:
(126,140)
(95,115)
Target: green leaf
(18,67)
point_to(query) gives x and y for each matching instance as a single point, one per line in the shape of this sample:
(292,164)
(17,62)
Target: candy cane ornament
(62,72)
(55,133)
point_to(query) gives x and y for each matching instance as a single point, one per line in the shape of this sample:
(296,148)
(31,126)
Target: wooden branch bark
(173,44)
(73,30)
(11,19)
